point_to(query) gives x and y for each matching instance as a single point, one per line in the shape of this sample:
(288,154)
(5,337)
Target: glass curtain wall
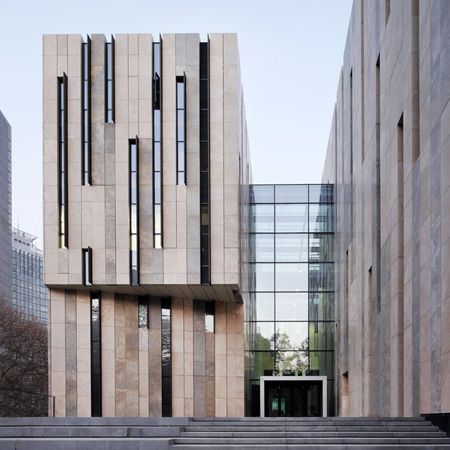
(290,316)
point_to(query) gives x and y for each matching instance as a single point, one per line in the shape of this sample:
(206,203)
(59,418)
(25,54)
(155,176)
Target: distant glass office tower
(29,293)
(290,316)
(5,208)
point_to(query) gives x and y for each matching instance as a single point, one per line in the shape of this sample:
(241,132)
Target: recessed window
(86,112)
(181,129)
(87,266)
(62,163)
(143,312)
(209,317)
(157,147)
(205,243)
(96,356)
(109,81)
(134,210)
(166,358)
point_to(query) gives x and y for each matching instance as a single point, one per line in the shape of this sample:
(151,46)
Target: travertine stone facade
(389,156)
(207,368)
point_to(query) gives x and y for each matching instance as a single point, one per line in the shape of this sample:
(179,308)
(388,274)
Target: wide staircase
(332,433)
(311,433)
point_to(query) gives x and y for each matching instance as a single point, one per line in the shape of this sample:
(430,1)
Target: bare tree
(23,364)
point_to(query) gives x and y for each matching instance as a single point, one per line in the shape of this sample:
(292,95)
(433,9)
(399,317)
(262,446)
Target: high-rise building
(389,158)
(29,293)
(5,209)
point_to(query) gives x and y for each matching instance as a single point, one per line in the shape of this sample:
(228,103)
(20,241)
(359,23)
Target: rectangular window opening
(205,241)
(166,358)
(96,356)
(209,317)
(86,176)
(62,163)
(109,81)
(157,146)
(134,210)
(181,129)
(387,10)
(87,266)
(143,312)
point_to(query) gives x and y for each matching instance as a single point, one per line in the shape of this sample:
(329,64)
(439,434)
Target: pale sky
(290,50)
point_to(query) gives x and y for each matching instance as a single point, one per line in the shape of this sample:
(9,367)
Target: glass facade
(29,293)
(290,316)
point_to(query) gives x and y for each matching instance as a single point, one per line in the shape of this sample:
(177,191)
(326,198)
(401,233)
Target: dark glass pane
(292,218)
(261,363)
(263,336)
(321,217)
(292,247)
(290,306)
(322,363)
(262,244)
(291,193)
(321,277)
(203,129)
(321,335)
(261,194)
(321,193)
(261,219)
(321,306)
(321,247)
(291,277)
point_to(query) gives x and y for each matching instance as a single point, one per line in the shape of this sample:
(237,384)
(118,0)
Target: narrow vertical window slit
(62,163)
(204,166)
(134,209)
(86,113)
(157,146)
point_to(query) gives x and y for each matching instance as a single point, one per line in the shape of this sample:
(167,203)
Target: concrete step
(262,434)
(315,441)
(309,447)
(305,428)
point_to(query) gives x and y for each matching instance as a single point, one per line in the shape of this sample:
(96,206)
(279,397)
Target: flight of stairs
(333,433)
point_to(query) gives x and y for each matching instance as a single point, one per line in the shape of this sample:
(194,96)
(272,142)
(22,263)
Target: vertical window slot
(209,317)
(87,266)
(143,312)
(96,356)
(157,146)
(62,163)
(86,113)
(109,81)
(204,165)
(181,129)
(134,210)
(166,358)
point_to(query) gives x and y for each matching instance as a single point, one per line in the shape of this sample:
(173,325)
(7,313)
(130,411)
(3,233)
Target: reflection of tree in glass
(290,362)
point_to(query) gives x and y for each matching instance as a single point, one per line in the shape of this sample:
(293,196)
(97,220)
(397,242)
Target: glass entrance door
(293,398)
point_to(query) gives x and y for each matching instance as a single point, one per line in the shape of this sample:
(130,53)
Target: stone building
(146,174)
(389,158)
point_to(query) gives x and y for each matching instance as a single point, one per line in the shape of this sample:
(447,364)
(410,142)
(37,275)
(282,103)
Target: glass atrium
(290,315)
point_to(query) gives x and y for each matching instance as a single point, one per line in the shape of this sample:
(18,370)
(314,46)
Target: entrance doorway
(293,396)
